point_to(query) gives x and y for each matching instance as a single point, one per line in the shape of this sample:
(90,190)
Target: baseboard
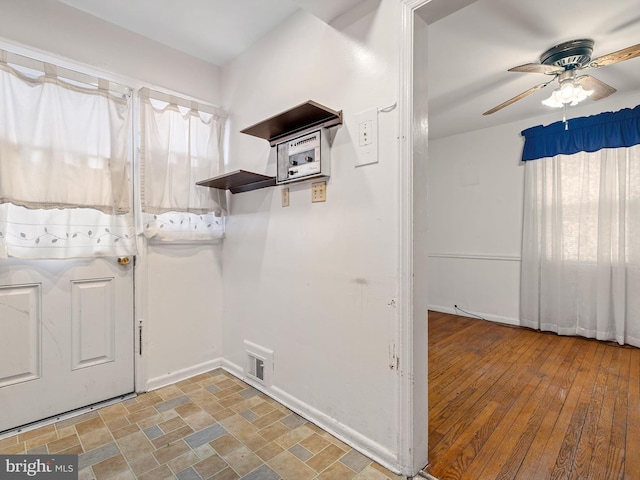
(179,375)
(344,433)
(486,316)
(237,371)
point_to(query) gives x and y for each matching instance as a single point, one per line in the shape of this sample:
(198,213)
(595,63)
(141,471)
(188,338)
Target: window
(581,238)
(65,157)
(181,143)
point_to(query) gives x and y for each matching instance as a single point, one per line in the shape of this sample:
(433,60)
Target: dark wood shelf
(239,181)
(297,119)
(302,117)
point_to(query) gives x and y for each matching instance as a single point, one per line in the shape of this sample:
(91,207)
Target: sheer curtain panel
(64,166)
(581,237)
(181,144)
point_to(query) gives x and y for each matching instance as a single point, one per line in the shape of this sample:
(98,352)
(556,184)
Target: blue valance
(585,134)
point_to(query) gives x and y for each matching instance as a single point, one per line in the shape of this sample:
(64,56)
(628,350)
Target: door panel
(66,336)
(20,314)
(92,322)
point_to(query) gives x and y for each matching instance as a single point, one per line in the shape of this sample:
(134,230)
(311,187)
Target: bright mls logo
(50,467)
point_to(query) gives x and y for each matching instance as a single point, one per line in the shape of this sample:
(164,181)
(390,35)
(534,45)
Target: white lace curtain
(581,243)
(64,167)
(181,144)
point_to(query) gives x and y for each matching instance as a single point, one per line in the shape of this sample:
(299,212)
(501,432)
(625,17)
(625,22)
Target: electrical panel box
(302,157)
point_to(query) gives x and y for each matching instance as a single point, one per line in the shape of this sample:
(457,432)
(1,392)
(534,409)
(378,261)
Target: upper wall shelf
(302,117)
(239,181)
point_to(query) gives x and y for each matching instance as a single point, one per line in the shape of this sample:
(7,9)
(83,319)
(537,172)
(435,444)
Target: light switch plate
(366,142)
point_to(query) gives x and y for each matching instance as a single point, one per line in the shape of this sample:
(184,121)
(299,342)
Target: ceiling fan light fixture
(563,61)
(569,92)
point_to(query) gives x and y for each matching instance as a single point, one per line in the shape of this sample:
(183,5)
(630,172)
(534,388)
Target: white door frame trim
(141,309)
(412,416)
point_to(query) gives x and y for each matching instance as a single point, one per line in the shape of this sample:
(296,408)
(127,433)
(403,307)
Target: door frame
(140,307)
(412,330)
(413,316)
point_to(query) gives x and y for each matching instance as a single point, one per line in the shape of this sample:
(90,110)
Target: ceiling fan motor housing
(569,55)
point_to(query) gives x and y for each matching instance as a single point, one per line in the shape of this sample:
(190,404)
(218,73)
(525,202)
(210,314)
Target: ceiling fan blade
(616,57)
(518,97)
(537,68)
(600,89)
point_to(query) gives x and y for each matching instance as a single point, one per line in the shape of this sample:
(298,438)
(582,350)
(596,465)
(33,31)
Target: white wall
(181,304)
(184,311)
(316,283)
(53,27)
(475,184)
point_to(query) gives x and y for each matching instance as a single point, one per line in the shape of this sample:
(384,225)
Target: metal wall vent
(259,366)
(256,368)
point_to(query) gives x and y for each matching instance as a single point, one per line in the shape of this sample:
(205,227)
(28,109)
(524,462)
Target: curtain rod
(183,102)
(61,72)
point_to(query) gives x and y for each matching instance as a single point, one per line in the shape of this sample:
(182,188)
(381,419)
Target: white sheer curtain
(181,144)
(581,248)
(64,166)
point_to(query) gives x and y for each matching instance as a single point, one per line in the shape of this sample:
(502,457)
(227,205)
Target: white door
(66,336)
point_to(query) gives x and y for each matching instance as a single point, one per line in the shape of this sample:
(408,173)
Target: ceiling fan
(563,61)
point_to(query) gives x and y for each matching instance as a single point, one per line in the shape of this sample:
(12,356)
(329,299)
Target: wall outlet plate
(319,192)
(285,197)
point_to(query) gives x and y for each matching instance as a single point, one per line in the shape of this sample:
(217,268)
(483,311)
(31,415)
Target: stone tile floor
(211,426)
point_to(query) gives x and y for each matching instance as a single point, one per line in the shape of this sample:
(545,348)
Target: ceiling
(469,51)
(213,30)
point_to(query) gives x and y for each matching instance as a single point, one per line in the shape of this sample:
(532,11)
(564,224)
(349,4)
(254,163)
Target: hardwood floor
(513,403)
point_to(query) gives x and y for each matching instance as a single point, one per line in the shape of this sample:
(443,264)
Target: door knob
(124,261)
